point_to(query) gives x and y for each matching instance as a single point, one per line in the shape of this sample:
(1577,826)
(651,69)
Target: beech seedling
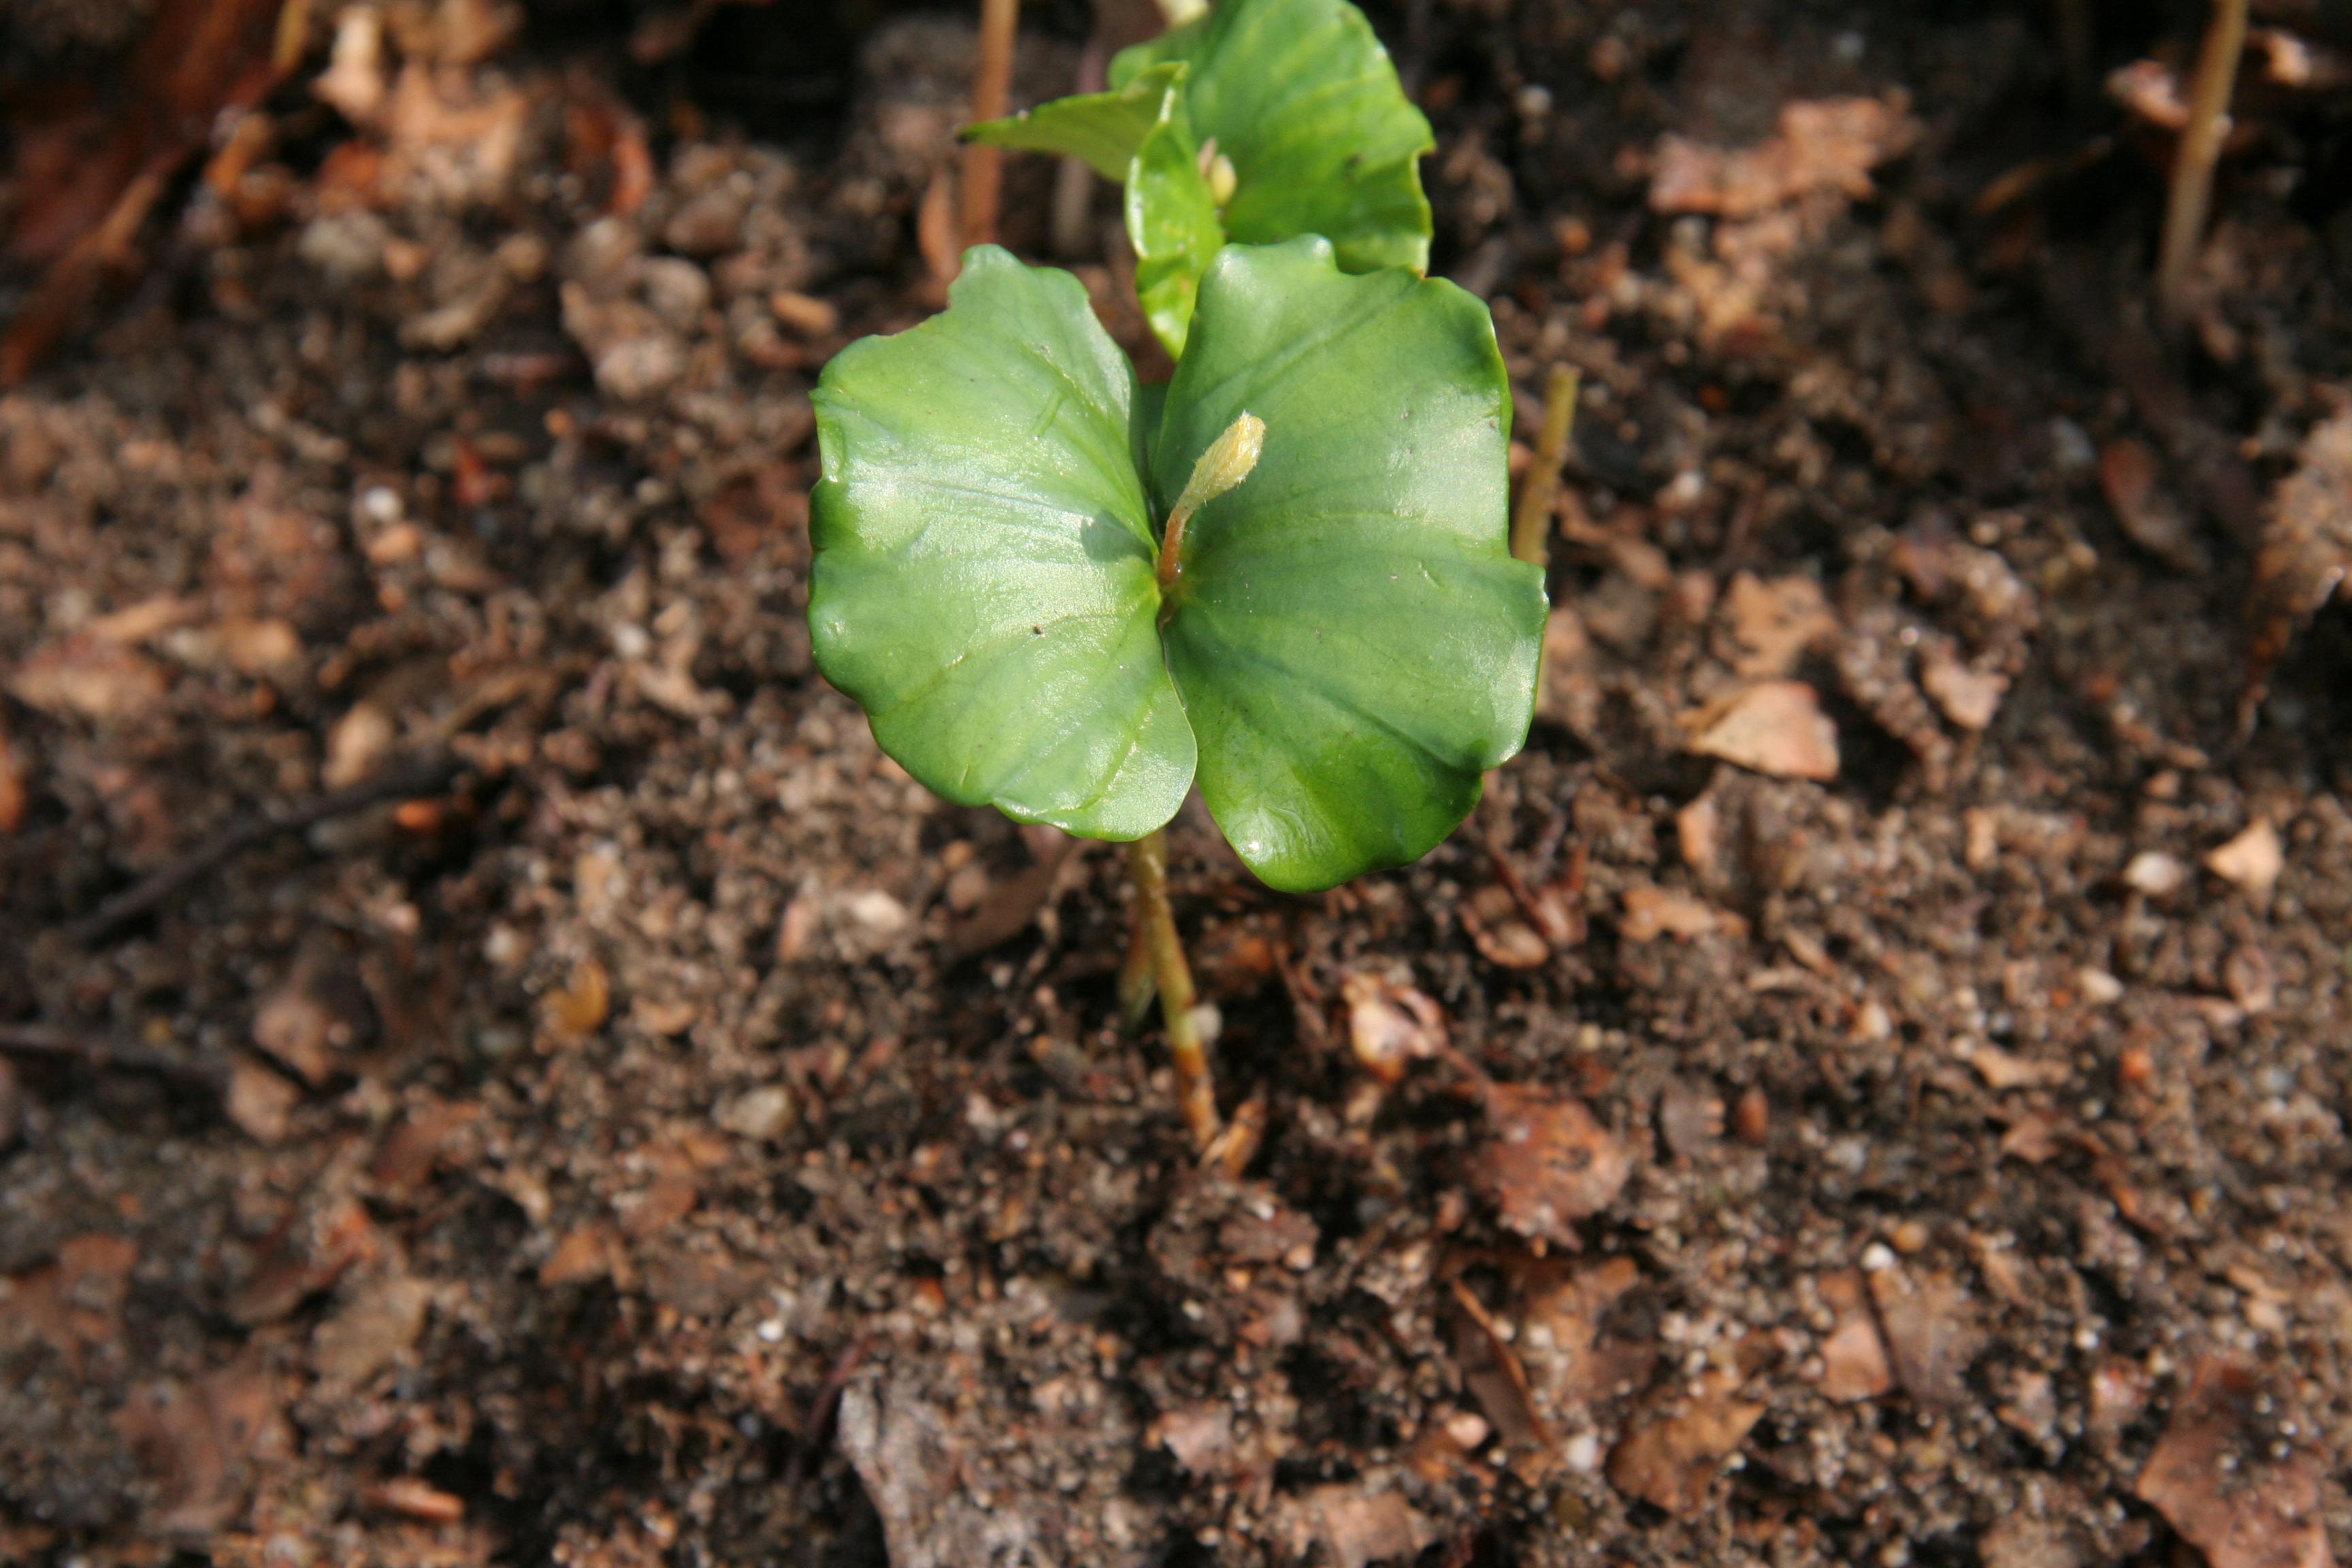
(1285,576)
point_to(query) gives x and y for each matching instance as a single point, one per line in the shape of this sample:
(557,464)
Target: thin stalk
(992,81)
(1196,1092)
(1531,523)
(2191,196)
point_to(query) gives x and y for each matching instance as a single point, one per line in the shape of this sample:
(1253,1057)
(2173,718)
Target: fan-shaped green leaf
(983,584)
(1354,643)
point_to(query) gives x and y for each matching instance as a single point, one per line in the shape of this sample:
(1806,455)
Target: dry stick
(1531,525)
(2191,196)
(42,1040)
(1196,1092)
(984,166)
(413,775)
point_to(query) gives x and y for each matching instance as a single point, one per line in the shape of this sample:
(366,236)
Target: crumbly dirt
(680,1138)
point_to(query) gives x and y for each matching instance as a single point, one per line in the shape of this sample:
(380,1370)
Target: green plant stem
(1531,523)
(2191,196)
(1196,1093)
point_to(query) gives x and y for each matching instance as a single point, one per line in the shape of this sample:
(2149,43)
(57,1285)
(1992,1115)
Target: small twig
(991,83)
(1539,492)
(421,774)
(2191,196)
(818,1422)
(1196,1091)
(43,1040)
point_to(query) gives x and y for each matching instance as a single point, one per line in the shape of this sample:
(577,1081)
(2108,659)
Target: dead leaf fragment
(1390,1027)
(1931,1332)
(1854,1358)
(1776,728)
(1500,932)
(1771,623)
(260,1101)
(91,679)
(1651,912)
(379,1319)
(2252,861)
(2001,1069)
(1357,1525)
(1968,696)
(1670,1457)
(1492,1372)
(1823,144)
(1547,1161)
(1200,1436)
(2237,1472)
(2146,508)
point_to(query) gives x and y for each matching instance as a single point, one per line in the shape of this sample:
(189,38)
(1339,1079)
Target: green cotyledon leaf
(983,577)
(1103,128)
(1302,98)
(1353,641)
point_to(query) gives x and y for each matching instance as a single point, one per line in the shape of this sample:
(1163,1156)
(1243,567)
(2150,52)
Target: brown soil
(675,1136)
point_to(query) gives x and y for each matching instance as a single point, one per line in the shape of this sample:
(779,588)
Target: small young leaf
(1103,128)
(1303,99)
(983,584)
(1172,222)
(1353,641)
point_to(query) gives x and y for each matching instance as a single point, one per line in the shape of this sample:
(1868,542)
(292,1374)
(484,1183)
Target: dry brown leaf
(1546,1162)
(1826,144)
(2001,1069)
(1199,1436)
(1357,1524)
(2238,1472)
(1492,1372)
(585,1252)
(1571,1360)
(15,793)
(2252,861)
(1772,624)
(1670,1457)
(1968,696)
(377,1320)
(1931,1332)
(89,678)
(1500,932)
(1775,728)
(1390,1027)
(2146,508)
(1853,1357)
(260,1101)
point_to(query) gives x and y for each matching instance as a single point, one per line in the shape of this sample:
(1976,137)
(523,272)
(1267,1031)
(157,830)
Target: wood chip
(1776,728)
(1968,696)
(416,1499)
(1356,1524)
